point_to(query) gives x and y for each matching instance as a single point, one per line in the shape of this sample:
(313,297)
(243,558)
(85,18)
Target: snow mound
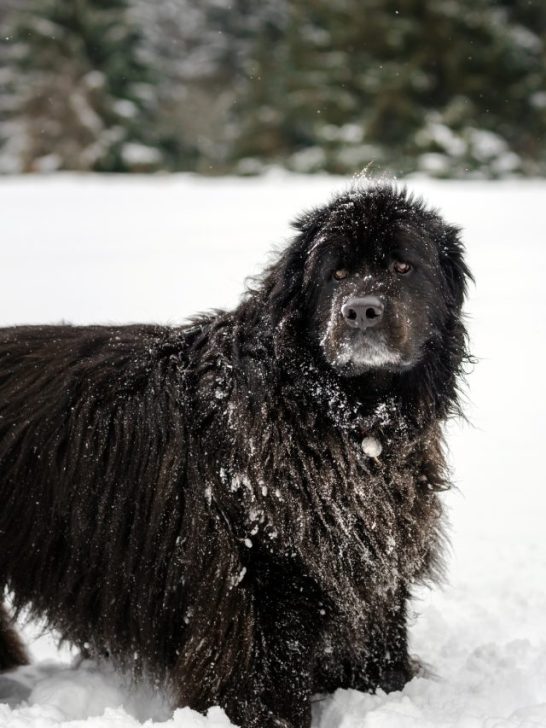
(487,692)
(53,695)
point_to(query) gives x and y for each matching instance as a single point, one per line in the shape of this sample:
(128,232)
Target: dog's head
(373,280)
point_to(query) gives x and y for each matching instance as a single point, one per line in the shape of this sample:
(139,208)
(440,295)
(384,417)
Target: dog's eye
(401,267)
(340,274)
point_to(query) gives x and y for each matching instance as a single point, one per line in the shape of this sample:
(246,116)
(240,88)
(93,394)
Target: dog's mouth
(356,352)
(366,349)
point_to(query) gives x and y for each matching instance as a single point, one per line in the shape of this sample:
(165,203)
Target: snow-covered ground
(120,250)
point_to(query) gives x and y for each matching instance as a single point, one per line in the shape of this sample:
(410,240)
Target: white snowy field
(90,249)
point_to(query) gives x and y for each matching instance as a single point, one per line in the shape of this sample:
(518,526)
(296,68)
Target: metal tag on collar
(372,447)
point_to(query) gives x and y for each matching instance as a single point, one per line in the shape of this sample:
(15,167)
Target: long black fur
(194,501)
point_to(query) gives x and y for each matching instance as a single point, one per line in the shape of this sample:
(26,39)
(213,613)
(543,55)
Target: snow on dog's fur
(195,502)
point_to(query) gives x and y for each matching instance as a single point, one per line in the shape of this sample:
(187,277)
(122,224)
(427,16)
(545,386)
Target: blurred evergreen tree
(203,50)
(446,86)
(181,44)
(84,98)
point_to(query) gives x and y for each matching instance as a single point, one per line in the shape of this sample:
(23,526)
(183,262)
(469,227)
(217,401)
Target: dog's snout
(362,313)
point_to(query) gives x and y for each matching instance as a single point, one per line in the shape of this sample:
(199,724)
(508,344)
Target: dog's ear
(287,294)
(440,378)
(456,272)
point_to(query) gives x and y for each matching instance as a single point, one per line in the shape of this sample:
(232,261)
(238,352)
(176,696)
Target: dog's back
(89,429)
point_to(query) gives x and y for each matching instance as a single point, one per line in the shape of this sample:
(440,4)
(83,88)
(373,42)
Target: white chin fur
(369,353)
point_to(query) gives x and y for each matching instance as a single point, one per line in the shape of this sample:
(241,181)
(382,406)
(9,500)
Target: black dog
(240,507)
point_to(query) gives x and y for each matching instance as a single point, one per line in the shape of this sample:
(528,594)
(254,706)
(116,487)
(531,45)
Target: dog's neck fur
(424,394)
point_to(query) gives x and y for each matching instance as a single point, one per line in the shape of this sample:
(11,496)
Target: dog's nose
(362,313)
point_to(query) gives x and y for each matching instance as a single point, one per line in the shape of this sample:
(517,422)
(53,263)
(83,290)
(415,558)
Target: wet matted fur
(195,502)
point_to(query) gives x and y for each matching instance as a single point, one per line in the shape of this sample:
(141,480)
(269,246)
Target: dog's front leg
(276,690)
(253,657)
(383,660)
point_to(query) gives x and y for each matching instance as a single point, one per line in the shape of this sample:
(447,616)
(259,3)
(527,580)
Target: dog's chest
(340,500)
(300,484)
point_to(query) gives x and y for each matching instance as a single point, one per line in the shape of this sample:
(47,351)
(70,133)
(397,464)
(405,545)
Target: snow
(159,248)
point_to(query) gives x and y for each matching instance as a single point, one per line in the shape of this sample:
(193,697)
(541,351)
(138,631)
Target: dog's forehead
(363,227)
(377,212)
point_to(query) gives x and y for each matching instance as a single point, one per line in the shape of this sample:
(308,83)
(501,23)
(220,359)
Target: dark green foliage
(84,98)
(441,85)
(446,87)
